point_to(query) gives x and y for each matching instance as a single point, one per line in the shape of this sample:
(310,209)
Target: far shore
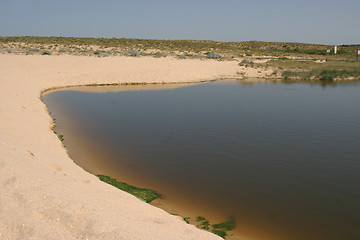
(44,194)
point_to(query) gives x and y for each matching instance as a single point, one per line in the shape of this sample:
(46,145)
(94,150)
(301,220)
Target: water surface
(283,159)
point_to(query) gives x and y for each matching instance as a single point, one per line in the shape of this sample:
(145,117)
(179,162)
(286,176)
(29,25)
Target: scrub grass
(189,48)
(146,195)
(325,71)
(325,75)
(313,70)
(292,61)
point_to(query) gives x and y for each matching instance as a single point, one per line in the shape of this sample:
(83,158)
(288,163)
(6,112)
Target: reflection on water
(282,158)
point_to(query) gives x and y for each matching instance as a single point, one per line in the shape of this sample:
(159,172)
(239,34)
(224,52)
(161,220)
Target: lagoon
(281,158)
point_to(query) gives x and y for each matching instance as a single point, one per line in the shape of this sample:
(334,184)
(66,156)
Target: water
(282,159)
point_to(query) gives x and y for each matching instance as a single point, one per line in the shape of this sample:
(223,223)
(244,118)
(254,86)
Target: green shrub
(213,55)
(46,52)
(133,53)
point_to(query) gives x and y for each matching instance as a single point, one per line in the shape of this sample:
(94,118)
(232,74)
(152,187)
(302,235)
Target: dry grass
(283,65)
(307,70)
(184,48)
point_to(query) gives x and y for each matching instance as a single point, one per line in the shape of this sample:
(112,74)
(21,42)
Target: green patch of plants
(289,74)
(220,233)
(246,63)
(46,52)
(313,70)
(203,223)
(282,58)
(219,229)
(330,75)
(186,219)
(209,49)
(213,55)
(61,137)
(146,195)
(314,51)
(133,53)
(33,49)
(322,74)
(226,226)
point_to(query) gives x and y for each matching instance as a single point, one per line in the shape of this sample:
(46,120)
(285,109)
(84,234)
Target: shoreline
(44,193)
(185,211)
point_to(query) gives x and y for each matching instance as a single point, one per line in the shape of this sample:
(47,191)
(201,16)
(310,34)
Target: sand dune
(43,194)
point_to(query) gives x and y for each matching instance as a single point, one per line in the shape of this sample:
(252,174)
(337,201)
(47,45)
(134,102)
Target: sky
(305,21)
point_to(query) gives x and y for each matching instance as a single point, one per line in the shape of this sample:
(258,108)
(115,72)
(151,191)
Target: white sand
(43,194)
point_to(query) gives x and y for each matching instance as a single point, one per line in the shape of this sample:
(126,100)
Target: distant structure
(335,49)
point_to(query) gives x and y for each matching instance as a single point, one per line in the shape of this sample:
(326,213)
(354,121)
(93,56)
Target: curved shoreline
(46,195)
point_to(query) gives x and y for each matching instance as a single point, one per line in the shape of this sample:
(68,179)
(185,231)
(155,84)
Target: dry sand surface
(43,194)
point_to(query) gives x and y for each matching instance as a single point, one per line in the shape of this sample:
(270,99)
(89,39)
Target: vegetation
(213,55)
(220,233)
(228,225)
(61,137)
(295,61)
(298,69)
(219,229)
(188,48)
(146,195)
(326,75)
(311,51)
(186,219)
(307,70)
(46,52)
(203,223)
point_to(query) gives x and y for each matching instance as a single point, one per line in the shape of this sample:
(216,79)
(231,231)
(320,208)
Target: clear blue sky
(308,21)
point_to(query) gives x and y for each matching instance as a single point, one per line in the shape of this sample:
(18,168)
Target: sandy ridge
(43,194)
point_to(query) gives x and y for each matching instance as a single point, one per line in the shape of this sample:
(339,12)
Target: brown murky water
(283,159)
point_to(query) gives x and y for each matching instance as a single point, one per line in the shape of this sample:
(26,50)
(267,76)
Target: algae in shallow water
(219,229)
(147,195)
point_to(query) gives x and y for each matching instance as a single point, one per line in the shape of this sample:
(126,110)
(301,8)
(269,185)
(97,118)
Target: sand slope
(43,194)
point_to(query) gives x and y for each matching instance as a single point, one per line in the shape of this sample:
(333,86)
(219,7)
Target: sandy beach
(44,195)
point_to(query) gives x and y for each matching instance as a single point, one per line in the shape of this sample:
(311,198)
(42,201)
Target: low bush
(46,52)
(33,49)
(213,55)
(133,53)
